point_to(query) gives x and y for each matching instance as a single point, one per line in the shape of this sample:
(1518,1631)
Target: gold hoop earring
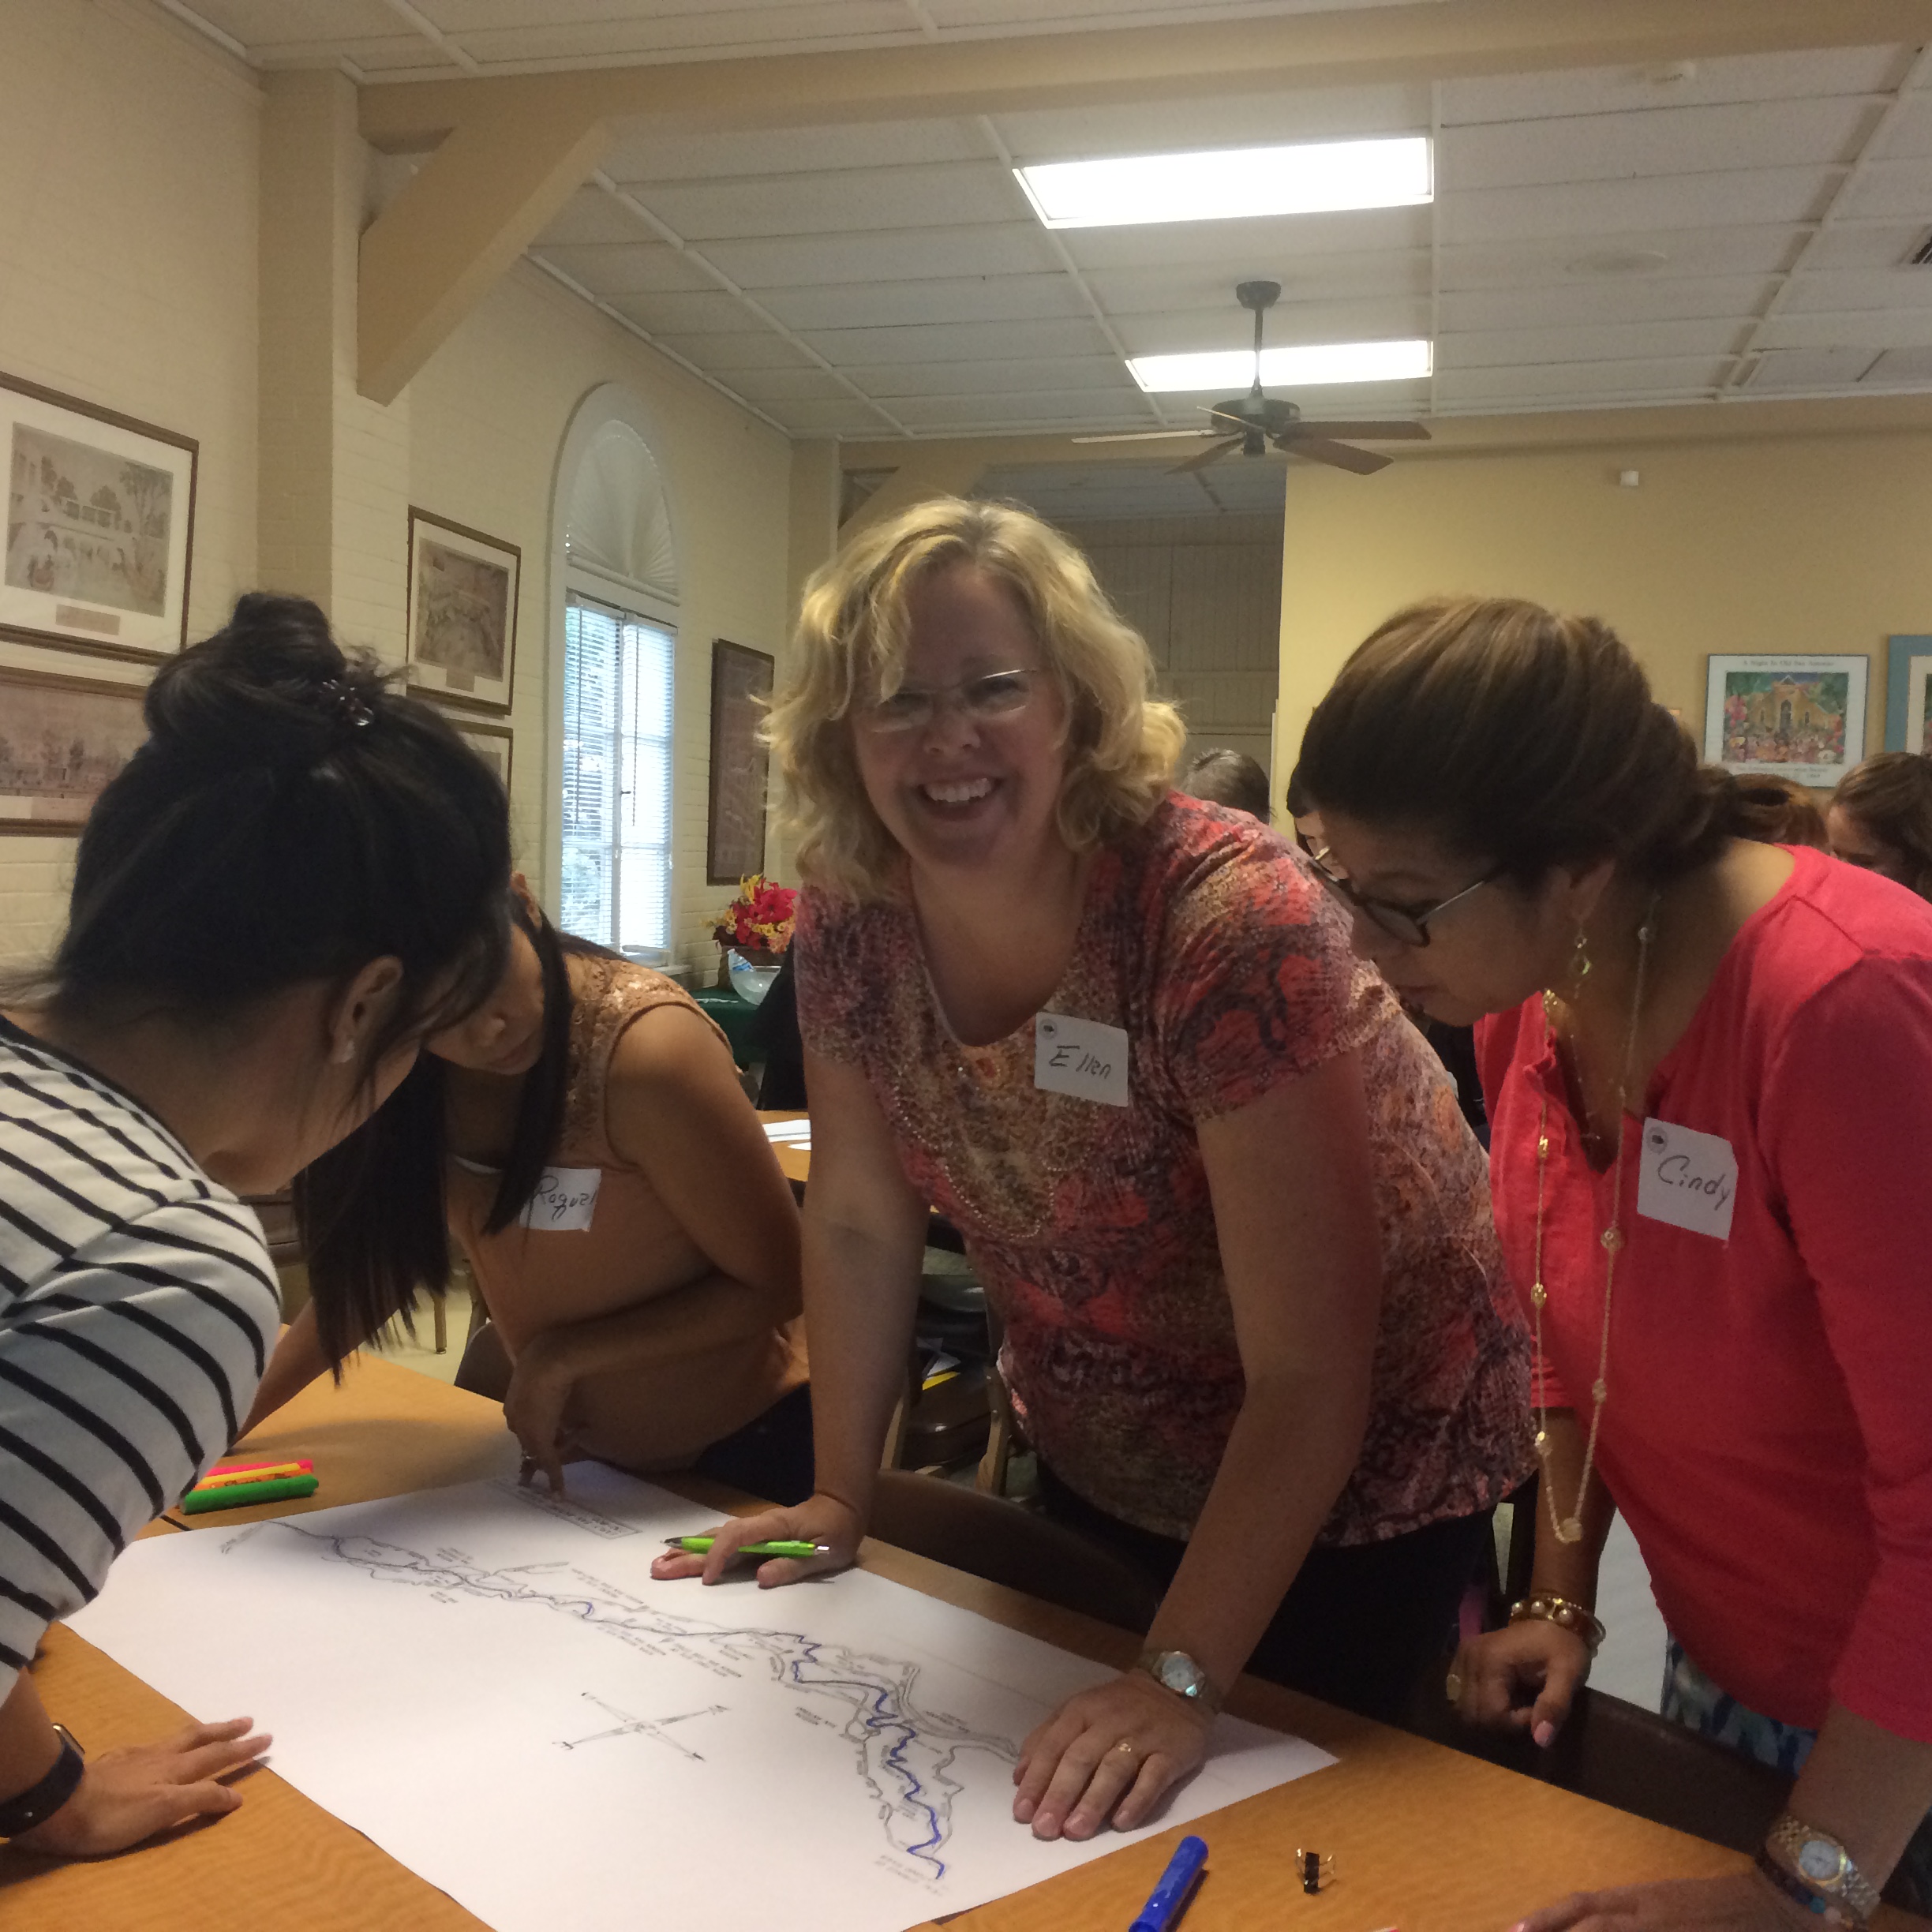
(1579,962)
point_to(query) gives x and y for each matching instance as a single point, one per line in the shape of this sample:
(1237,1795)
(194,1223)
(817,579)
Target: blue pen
(1170,1896)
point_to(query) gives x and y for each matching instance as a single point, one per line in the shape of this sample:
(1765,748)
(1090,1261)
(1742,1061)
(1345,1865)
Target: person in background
(1230,778)
(1709,1069)
(584,1137)
(1880,818)
(774,1041)
(293,880)
(1780,811)
(1214,1185)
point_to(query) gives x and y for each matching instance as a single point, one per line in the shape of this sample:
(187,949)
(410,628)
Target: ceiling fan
(1251,423)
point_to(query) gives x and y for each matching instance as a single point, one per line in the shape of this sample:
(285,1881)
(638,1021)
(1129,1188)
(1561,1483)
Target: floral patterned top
(1209,942)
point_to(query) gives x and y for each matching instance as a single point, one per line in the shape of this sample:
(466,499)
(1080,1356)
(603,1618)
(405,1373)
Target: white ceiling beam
(1744,359)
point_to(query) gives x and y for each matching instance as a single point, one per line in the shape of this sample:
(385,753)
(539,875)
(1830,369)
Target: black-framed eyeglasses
(1408,923)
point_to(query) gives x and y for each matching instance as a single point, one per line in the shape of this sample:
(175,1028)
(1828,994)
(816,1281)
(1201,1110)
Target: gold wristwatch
(1175,1670)
(1820,1864)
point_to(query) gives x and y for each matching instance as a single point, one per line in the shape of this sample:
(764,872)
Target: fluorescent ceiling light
(1290,368)
(1229,182)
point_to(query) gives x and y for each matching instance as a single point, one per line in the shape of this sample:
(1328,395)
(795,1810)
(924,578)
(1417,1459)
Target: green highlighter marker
(701,1546)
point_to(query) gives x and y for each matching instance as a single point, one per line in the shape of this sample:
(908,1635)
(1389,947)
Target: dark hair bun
(272,688)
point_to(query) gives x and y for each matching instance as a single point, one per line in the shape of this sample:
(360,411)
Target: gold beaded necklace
(1570,1529)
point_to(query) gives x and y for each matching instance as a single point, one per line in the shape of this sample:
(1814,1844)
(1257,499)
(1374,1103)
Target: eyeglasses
(1407,922)
(997,695)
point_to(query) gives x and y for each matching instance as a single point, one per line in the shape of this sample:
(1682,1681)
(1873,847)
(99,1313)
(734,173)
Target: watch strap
(1786,1841)
(1832,1910)
(39,1802)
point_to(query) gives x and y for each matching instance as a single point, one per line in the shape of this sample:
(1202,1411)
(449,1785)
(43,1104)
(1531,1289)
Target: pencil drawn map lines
(627,1726)
(905,1755)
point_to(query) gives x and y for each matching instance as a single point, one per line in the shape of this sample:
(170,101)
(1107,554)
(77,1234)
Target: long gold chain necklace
(1570,1529)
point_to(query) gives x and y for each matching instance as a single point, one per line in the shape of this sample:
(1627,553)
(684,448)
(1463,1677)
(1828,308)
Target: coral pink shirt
(1768,1433)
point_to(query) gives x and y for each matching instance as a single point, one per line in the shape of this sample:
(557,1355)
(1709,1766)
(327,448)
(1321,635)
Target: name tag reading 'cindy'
(1082,1058)
(1688,1179)
(565,1200)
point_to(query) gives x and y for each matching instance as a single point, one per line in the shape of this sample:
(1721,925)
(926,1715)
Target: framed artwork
(62,739)
(1797,718)
(741,687)
(99,527)
(463,612)
(1908,693)
(492,743)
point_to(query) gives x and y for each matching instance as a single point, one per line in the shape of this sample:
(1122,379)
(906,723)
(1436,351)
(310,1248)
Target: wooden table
(793,1161)
(1421,1836)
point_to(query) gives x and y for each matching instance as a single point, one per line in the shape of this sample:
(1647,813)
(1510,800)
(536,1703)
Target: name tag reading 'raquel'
(1082,1058)
(565,1200)
(1688,1179)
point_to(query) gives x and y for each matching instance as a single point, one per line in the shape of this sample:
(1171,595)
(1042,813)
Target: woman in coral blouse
(1216,1186)
(1708,1065)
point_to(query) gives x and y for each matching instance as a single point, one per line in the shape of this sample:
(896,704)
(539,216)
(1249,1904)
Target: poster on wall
(463,612)
(1796,717)
(1908,693)
(61,739)
(491,742)
(741,685)
(99,526)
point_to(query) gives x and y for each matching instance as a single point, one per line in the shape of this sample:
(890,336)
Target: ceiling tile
(263,26)
(1906,289)
(591,215)
(1869,329)
(641,153)
(1872,245)
(844,417)
(944,196)
(1909,135)
(1225,326)
(1793,369)
(941,299)
(1603,299)
(1614,90)
(690,312)
(1674,140)
(1177,288)
(1554,384)
(1044,409)
(1586,209)
(959,341)
(1059,375)
(1270,247)
(790,262)
(1507,263)
(720,30)
(801,384)
(1901,368)
(1528,348)
(617,269)
(737,353)
(1890,191)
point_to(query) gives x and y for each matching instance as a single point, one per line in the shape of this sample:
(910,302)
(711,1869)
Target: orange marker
(254,1472)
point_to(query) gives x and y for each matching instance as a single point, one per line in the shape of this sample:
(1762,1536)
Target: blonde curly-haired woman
(1217,1187)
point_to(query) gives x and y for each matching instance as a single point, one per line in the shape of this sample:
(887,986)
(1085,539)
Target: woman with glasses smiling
(1708,1064)
(1216,1186)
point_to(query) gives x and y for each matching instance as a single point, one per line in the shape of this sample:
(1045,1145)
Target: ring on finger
(1126,1745)
(1452,1687)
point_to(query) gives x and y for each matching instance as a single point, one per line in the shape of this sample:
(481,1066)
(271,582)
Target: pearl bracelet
(1546,1607)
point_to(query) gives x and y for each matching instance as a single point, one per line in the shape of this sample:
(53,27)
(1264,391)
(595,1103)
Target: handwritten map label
(565,1200)
(1082,1058)
(1688,1179)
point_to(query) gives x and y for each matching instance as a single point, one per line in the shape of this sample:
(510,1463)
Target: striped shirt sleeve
(137,1306)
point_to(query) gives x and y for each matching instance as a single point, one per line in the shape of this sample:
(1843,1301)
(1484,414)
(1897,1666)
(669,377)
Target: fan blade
(1141,436)
(1366,432)
(1318,449)
(1212,455)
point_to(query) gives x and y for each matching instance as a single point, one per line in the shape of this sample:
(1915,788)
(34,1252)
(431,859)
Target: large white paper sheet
(489,1683)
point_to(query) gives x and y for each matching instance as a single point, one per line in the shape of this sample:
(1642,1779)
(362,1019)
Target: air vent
(1921,256)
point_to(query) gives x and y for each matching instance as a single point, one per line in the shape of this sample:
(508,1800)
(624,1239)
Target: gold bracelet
(1546,1607)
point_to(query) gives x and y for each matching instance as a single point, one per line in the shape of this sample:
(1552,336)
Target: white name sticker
(565,1200)
(1688,1179)
(1082,1058)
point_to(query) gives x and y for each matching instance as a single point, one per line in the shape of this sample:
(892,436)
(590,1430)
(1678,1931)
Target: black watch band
(39,1802)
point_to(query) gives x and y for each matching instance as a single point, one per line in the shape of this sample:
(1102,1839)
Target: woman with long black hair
(296,878)
(584,1138)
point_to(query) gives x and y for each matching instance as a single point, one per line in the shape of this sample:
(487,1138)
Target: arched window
(621,600)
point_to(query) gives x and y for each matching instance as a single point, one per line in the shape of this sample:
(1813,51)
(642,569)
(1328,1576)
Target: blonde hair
(851,646)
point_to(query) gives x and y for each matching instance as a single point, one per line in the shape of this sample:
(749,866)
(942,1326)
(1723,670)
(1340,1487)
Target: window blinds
(616,818)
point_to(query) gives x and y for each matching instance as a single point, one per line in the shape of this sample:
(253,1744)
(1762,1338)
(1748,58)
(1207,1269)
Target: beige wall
(1205,592)
(128,196)
(1776,544)
(131,172)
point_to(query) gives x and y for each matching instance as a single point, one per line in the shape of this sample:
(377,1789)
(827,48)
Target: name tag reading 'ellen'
(1688,1179)
(565,1200)
(1082,1058)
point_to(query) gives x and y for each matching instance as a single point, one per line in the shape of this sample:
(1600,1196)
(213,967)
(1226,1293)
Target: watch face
(1181,1673)
(1820,1860)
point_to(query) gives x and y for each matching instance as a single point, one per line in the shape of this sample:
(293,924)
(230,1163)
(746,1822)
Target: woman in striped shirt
(296,878)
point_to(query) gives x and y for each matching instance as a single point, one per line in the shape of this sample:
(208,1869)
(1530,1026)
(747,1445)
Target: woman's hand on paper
(820,1518)
(535,1405)
(1522,1678)
(130,1794)
(1112,1753)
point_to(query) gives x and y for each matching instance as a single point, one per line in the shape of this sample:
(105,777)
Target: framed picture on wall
(1798,717)
(1908,693)
(462,612)
(99,527)
(741,686)
(62,739)
(492,743)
